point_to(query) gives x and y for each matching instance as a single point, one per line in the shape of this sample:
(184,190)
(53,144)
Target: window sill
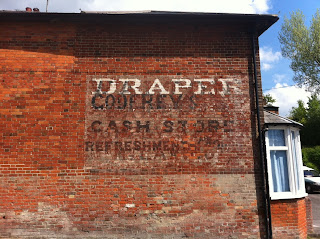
(282,196)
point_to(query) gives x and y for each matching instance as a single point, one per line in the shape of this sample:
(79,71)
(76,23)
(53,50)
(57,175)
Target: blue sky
(276,73)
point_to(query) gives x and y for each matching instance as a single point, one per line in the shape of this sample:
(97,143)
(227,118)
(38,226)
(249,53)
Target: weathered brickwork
(117,130)
(309,215)
(289,218)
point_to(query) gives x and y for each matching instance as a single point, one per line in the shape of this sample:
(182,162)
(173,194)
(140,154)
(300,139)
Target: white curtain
(295,158)
(276,137)
(279,170)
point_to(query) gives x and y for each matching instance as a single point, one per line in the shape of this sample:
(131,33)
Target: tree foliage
(268,99)
(310,117)
(311,157)
(301,44)
(299,113)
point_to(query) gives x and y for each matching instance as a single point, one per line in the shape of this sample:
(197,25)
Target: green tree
(310,118)
(312,125)
(311,157)
(299,113)
(301,44)
(268,99)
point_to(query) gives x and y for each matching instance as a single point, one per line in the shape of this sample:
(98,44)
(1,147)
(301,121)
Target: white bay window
(284,162)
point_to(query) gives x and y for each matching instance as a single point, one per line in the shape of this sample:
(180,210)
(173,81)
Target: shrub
(311,157)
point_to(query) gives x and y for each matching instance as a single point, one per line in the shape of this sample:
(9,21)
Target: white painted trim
(294,191)
(280,196)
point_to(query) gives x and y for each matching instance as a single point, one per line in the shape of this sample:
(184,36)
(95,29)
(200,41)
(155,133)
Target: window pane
(279,171)
(276,137)
(295,159)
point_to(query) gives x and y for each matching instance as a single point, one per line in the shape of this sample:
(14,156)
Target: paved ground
(315,199)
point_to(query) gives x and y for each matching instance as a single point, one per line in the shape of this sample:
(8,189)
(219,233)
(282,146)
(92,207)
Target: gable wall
(167,163)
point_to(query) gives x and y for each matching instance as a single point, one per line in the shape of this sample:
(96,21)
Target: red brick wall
(309,215)
(195,171)
(289,218)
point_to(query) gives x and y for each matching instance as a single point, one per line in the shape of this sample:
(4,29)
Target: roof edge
(284,118)
(258,22)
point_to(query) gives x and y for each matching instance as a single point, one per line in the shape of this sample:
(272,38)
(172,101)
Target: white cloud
(234,6)
(280,78)
(231,6)
(287,96)
(267,54)
(261,6)
(266,66)
(268,57)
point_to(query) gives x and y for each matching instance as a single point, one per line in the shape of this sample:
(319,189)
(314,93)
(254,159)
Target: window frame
(294,192)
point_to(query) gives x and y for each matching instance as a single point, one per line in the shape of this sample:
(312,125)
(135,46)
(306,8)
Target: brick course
(309,216)
(289,218)
(57,177)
